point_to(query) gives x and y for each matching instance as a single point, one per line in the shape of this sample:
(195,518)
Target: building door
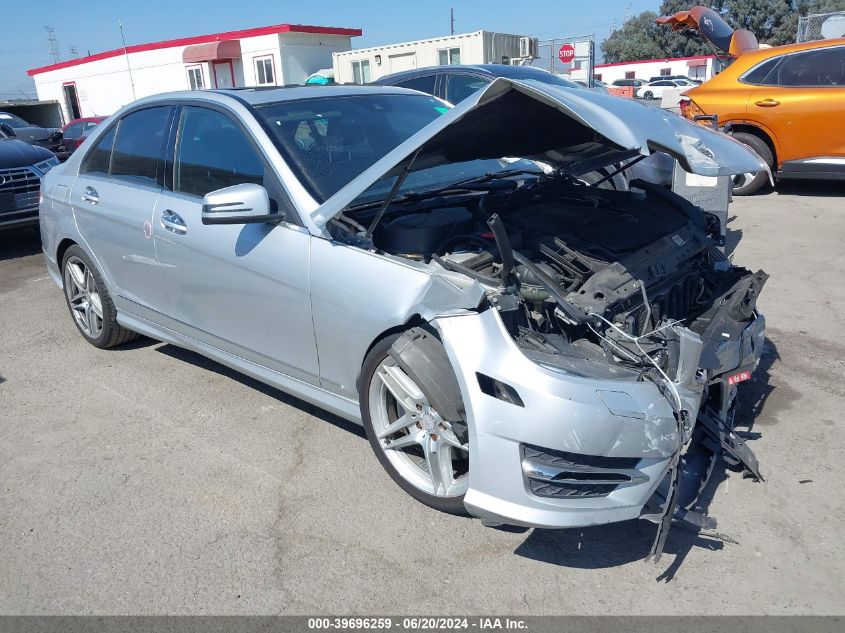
(71,101)
(224,75)
(406,61)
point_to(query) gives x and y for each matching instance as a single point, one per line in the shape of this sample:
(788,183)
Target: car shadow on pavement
(19,243)
(821,188)
(193,358)
(732,237)
(621,543)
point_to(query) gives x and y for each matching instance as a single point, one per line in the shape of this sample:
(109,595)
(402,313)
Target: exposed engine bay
(626,285)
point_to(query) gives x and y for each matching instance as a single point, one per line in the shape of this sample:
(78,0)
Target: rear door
(801,102)
(242,288)
(113,200)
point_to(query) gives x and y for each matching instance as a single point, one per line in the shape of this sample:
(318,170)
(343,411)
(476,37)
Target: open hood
(714,29)
(575,130)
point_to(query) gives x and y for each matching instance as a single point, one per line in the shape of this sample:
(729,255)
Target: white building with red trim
(697,67)
(99,84)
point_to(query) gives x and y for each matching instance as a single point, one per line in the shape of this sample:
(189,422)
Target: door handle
(173,222)
(767,103)
(90,195)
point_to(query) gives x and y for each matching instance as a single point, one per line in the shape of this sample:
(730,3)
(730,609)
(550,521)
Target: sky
(93,25)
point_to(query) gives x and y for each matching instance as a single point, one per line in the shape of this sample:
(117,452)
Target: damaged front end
(599,372)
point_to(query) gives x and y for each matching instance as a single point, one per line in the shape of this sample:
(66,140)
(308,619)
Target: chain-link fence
(821,26)
(547,54)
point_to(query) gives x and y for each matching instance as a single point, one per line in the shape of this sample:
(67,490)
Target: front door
(113,201)
(240,288)
(224,75)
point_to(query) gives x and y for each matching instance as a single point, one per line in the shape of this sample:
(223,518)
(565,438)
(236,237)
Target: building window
(264,71)
(361,71)
(195,78)
(630,74)
(447,56)
(665,72)
(597,76)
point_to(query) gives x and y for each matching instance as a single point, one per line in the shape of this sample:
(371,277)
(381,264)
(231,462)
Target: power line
(53,45)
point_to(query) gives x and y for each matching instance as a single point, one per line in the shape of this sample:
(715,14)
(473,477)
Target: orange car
(786,102)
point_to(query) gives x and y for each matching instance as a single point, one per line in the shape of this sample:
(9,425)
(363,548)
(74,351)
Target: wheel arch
(61,249)
(761,133)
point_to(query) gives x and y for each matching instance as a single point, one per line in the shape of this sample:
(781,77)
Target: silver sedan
(521,341)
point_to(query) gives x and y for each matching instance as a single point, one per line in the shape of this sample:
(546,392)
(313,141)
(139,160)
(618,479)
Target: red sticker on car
(738,378)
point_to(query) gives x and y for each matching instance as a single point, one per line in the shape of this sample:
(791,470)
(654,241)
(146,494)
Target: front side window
(459,87)
(195,80)
(449,56)
(138,153)
(264,75)
(98,159)
(361,71)
(423,84)
(328,141)
(212,153)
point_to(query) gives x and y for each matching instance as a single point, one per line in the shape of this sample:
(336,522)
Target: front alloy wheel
(426,454)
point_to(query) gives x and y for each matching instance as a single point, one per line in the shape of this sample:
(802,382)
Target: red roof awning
(212,51)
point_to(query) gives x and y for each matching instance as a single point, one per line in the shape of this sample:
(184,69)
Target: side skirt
(312,394)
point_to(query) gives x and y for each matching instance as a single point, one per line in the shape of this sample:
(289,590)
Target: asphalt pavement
(149,480)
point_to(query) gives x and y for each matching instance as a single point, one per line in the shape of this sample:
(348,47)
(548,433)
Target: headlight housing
(46,165)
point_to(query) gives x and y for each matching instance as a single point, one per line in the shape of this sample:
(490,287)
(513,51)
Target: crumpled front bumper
(578,451)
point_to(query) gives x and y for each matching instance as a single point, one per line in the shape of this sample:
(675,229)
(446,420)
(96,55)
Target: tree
(774,22)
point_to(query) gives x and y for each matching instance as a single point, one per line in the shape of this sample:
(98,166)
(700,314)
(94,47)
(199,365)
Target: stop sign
(566,53)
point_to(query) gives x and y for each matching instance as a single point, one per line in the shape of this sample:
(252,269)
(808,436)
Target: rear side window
(759,73)
(138,154)
(423,84)
(98,159)
(214,153)
(821,67)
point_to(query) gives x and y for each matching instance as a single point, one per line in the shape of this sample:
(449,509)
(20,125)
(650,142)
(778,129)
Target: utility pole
(73,51)
(452,21)
(55,55)
(126,54)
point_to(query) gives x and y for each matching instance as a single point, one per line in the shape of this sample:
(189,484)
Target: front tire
(425,454)
(648,95)
(752,182)
(89,302)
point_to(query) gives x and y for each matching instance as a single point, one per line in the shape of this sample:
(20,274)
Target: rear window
(328,141)
(98,158)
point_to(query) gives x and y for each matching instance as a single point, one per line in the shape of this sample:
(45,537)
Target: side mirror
(239,204)
(8,130)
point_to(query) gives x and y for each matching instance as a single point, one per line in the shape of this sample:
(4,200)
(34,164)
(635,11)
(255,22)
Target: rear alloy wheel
(648,94)
(89,302)
(425,454)
(752,182)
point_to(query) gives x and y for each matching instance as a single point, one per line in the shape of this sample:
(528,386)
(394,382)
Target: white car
(654,90)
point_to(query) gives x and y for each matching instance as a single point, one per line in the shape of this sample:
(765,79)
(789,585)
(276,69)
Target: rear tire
(648,94)
(751,183)
(89,302)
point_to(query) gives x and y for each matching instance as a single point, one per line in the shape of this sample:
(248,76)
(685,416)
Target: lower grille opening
(552,473)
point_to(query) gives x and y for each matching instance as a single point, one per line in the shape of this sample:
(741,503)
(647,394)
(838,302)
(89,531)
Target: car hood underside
(577,131)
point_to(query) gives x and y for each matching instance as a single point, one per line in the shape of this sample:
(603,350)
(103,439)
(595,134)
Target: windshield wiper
(454,187)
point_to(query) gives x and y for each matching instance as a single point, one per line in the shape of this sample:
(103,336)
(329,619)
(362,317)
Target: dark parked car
(629,83)
(48,137)
(22,165)
(77,131)
(456,82)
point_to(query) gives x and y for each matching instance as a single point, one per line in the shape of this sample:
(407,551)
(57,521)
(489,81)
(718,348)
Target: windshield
(12,120)
(328,141)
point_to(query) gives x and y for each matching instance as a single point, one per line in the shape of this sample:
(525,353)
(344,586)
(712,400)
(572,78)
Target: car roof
(492,70)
